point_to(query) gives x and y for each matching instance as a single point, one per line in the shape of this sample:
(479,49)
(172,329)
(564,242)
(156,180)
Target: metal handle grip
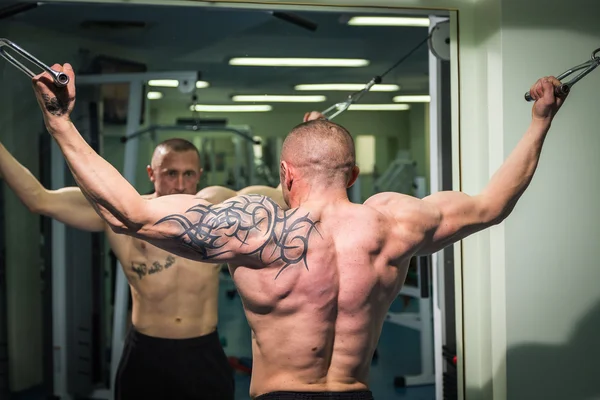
(559,91)
(60,78)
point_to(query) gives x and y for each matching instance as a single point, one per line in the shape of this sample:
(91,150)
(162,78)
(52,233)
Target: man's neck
(317,195)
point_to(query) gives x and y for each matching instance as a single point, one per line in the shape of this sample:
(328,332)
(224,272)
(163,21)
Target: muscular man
(172,349)
(316,280)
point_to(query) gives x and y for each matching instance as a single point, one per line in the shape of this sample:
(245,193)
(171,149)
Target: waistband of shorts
(139,338)
(291,395)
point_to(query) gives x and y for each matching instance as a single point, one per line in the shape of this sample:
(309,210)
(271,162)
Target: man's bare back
(317,322)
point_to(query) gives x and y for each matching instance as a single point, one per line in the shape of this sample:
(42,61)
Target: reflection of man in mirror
(173,349)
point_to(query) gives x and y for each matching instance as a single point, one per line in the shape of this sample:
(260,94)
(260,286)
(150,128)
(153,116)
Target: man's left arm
(234,231)
(239,230)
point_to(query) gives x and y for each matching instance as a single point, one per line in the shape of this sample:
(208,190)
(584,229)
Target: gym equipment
(192,128)
(421,321)
(60,79)
(441,178)
(398,177)
(239,365)
(439,43)
(565,88)
(339,108)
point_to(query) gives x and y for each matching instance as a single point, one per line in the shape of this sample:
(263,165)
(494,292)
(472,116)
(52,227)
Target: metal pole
(59,283)
(122,287)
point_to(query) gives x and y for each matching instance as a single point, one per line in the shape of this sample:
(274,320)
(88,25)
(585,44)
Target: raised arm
(249,229)
(67,205)
(457,215)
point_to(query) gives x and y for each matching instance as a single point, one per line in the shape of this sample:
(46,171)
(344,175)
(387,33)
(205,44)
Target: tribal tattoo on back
(250,225)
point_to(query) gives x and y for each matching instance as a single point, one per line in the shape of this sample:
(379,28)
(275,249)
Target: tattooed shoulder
(250,226)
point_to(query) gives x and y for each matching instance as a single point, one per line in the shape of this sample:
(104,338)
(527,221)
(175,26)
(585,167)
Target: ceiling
(204,38)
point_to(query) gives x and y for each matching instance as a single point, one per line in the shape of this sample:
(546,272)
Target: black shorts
(354,395)
(185,369)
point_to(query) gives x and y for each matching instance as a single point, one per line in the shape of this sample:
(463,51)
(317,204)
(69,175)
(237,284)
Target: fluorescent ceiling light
(388,21)
(299,62)
(230,108)
(379,107)
(348,87)
(280,98)
(164,82)
(412,99)
(173,83)
(154,95)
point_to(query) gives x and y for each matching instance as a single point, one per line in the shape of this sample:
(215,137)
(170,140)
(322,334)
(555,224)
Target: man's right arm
(447,217)
(67,205)
(460,215)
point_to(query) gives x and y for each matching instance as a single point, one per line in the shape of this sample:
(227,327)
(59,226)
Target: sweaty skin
(316,280)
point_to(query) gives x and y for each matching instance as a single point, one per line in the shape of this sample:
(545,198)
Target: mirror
(233,82)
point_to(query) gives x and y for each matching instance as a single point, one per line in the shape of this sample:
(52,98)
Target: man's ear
(353,175)
(287,176)
(150,172)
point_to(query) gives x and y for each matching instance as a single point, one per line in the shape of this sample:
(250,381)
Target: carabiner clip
(60,78)
(353,98)
(564,89)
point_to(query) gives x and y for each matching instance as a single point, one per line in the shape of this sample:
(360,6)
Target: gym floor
(398,353)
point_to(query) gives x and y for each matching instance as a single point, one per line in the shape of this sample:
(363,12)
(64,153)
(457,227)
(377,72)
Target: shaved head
(320,150)
(175,145)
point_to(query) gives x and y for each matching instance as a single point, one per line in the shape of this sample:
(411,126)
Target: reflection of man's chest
(146,260)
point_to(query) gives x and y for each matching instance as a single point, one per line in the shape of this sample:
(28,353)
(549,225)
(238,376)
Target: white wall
(552,255)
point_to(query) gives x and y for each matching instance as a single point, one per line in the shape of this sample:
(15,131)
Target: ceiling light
(280,98)
(379,107)
(164,82)
(412,99)
(388,21)
(348,87)
(230,108)
(202,84)
(299,62)
(154,95)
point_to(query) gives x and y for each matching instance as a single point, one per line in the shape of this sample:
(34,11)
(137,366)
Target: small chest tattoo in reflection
(141,269)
